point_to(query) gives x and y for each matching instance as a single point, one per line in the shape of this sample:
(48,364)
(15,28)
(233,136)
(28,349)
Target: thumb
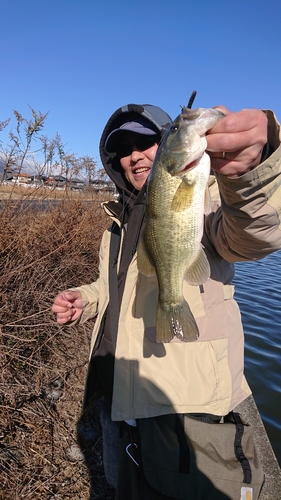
(72,295)
(223,109)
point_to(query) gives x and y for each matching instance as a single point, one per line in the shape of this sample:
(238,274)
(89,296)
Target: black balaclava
(158,119)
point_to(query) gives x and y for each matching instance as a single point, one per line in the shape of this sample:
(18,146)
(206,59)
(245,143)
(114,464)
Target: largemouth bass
(171,242)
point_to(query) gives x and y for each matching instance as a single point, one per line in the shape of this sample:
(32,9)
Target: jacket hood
(159,118)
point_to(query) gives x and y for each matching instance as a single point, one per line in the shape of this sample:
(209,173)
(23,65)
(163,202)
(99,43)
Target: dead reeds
(46,248)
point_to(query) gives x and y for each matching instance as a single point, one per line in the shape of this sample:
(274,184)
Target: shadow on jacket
(164,457)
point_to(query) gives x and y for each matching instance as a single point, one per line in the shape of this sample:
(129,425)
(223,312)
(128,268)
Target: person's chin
(139,180)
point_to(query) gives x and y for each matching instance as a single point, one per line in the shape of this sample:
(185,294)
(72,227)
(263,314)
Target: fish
(176,199)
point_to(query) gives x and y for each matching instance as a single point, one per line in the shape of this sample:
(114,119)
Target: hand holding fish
(241,136)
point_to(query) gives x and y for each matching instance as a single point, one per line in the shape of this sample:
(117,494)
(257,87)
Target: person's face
(136,153)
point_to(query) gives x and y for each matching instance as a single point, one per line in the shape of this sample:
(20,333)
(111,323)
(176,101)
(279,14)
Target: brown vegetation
(25,192)
(43,365)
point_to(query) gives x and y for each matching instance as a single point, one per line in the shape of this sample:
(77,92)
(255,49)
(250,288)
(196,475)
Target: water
(258,293)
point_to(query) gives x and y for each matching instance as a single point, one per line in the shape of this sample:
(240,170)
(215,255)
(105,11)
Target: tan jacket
(205,376)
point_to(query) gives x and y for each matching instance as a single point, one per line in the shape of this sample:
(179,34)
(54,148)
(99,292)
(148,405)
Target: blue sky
(82,59)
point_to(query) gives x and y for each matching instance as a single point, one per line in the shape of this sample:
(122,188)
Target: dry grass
(29,192)
(43,366)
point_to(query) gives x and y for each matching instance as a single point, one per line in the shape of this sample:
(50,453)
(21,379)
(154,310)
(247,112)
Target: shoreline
(39,193)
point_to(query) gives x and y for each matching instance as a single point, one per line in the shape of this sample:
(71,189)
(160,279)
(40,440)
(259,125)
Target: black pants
(132,484)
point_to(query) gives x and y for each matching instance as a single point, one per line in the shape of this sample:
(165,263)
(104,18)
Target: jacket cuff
(266,152)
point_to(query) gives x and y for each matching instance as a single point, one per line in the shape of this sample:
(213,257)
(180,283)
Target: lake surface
(258,293)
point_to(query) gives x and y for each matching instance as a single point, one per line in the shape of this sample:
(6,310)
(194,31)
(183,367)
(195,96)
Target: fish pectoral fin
(182,198)
(207,201)
(199,271)
(144,265)
(176,321)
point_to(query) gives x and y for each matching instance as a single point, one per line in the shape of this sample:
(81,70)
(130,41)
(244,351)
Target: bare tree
(31,129)
(16,154)
(4,124)
(49,158)
(88,165)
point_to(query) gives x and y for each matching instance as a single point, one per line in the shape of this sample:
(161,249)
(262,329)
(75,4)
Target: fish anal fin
(199,271)
(176,321)
(144,265)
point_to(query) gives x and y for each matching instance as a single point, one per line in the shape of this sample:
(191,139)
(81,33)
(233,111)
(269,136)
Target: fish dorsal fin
(144,264)
(199,271)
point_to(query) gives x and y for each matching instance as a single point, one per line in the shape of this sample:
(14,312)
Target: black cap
(138,125)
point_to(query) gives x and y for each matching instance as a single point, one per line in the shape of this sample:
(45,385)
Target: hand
(68,306)
(241,136)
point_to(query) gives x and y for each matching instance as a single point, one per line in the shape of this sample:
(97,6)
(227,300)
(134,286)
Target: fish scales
(171,242)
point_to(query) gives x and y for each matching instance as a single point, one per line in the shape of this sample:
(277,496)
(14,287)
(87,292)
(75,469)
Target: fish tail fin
(176,321)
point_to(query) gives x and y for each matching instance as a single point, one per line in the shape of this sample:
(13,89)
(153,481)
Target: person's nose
(136,155)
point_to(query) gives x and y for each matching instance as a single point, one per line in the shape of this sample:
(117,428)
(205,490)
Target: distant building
(76,184)
(55,181)
(21,178)
(102,185)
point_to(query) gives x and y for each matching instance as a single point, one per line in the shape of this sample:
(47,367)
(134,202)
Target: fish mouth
(189,166)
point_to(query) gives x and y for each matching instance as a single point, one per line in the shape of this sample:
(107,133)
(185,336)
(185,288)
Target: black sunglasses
(139,141)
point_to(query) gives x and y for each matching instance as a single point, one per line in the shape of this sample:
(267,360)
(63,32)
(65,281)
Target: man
(155,388)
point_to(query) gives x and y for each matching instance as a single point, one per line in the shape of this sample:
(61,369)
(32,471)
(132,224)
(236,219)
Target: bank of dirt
(43,365)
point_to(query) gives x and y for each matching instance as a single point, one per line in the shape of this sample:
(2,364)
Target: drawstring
(140,203)
(115,260)
(140,200)
(134,249)
(129,430)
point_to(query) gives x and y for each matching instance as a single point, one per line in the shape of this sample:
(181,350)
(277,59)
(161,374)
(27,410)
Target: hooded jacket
(147,378)
(129,215)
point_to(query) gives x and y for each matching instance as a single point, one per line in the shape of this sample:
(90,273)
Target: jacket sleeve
(90,292)
(246,222)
